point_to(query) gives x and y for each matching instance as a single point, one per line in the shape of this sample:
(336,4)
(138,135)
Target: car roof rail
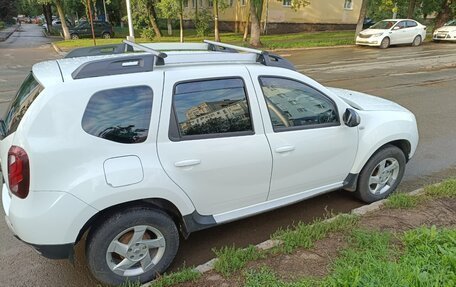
(133,63)
(264,57)
(99,50)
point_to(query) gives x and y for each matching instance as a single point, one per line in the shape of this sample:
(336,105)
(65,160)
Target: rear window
(29,90)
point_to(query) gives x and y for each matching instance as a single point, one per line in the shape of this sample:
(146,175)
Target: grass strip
(305,235)
(231,259)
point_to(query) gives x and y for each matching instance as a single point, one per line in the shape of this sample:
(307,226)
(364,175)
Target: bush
(2,24)
(148,34)
(203,23)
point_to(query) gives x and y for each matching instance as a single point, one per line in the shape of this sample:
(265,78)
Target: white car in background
(392,32)
(445,33)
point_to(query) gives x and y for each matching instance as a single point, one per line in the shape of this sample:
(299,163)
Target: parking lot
(420,78)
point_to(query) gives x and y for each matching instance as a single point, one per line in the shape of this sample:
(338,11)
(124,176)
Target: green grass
(231,259)
(265,277)
(305,235)
(424,257)
(402,201)
(183,275)
(282,41)
(442,190)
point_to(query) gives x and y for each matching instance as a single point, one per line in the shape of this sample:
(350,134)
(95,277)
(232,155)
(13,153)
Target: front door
(211,139)
(312,150)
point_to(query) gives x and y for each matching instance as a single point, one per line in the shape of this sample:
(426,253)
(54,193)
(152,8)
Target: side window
(211,108)
(401,25)
(292,104)
(411,24)
(121,115)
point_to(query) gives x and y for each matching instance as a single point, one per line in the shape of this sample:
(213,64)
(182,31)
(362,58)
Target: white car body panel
(445,33)
(75,175)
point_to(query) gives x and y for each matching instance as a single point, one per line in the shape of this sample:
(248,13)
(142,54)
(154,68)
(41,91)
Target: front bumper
(443,37)
(368,41)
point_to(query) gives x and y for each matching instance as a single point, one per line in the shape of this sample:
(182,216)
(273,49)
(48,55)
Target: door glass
(212,107)
(292,104)
(411,24)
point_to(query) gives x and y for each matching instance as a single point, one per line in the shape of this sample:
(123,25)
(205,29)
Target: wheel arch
(160,204)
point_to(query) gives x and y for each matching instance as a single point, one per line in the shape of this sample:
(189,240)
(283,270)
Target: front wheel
(385,43)
(74,36)
(106,36)
(381,175)
(417,41)
(132,245)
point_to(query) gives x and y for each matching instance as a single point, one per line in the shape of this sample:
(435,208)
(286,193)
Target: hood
(366,102)
(373,31)
(446,29)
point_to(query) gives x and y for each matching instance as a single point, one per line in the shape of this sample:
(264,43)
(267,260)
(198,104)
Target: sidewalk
(5,33)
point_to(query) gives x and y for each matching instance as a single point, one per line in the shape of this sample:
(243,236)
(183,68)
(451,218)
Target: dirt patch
(315,262)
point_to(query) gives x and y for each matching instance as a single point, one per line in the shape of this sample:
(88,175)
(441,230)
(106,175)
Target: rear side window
(411,24)
(121,115)
(29,90)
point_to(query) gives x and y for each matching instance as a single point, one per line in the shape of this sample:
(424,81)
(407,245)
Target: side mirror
(396,28)
(351,118)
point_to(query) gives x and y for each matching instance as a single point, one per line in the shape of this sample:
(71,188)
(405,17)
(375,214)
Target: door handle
(185,163)
(286,148)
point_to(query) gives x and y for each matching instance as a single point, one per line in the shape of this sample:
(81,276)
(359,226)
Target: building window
(210,3)
(286,3)
(212,107)
(230,3)
(348,4)
(242,2)
(185,2)
(121,115)
(302,107)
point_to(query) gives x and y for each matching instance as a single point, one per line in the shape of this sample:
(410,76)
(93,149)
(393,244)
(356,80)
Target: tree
(446,12)
(362,15)
(218,5)
(144,14)
(171,8)
(66,31)
(411,8)
(256,9)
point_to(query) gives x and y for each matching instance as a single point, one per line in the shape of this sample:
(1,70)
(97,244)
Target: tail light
(18,172)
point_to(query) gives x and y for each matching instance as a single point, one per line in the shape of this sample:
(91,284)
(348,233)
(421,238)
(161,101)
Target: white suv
(135,148)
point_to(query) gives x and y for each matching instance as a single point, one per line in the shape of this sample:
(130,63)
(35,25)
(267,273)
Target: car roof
(146,59)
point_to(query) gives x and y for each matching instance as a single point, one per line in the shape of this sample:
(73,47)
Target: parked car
(101,29)
(392,32)
(367,23)
(57,24)
(445,33)
(135,149)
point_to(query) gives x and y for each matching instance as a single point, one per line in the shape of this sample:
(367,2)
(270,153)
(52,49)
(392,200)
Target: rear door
(211,140)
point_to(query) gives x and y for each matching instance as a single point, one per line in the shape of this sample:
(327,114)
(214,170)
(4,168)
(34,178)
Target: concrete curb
(10,33)
(271,243)
(58,50)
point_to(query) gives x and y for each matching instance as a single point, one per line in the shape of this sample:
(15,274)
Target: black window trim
(174,134)
(122,87)
(298,128)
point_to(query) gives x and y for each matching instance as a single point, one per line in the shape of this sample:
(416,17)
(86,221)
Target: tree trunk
(196,11)
(153,21)
(181,21)
(444,14)
(48,15)
(246,28)
(362,15)
(216,23)
(255,29)
(66,32)
(170,27)
(411,9)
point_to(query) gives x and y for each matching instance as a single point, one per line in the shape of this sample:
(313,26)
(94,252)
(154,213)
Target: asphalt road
(423,79)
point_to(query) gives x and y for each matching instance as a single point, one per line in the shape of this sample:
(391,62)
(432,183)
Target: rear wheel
(417,41)
(74,36)
(106,36)
(385,43)
(132,245)
(381,175)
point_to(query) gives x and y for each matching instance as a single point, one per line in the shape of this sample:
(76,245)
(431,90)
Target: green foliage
(305,235)
(265,277)
(169,8)
(428,259)
(444,189)
(231,259)
(148,34)
(2,24)
(402,200)
(203,23)
(183,275)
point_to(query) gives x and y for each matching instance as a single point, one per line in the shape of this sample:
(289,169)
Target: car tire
(74,36)
(385,43)
(417,41)
(381,175)
(106,36)
(133,245)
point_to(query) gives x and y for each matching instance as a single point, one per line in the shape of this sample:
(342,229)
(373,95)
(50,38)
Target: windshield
(27,93)
(383,25)
(450,23)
